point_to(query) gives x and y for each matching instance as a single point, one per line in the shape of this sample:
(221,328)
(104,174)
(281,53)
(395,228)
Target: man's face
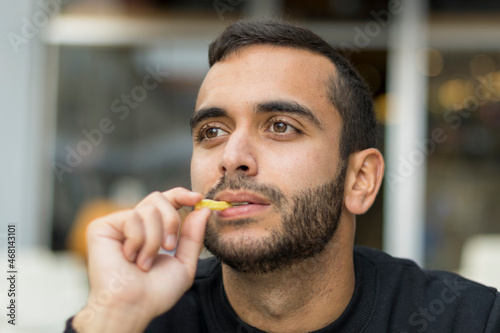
(265,133)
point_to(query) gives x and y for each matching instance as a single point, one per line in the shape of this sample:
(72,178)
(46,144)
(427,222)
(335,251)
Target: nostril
(243,168)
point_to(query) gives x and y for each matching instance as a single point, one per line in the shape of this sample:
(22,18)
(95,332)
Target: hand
(130,283)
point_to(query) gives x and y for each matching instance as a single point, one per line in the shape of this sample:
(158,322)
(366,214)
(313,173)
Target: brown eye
(280,127)
(211,133)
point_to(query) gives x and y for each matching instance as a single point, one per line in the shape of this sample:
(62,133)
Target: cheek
(204,173)
(303,168)
(195,177)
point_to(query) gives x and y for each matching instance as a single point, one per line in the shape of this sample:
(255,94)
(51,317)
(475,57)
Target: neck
(304,297)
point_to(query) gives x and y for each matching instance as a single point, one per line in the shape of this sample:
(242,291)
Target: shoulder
(405,271)
(378,257)
(427,299)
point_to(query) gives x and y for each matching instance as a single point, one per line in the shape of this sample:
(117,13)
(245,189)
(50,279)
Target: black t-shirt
(391,295)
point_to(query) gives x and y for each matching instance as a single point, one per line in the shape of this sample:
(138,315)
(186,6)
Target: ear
(363,179)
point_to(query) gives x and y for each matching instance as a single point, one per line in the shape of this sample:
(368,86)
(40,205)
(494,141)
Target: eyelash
(200,136)
(273,121)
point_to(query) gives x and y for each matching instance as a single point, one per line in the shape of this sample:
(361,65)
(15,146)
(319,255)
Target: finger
(191,238)
(152,225)
(170,218)
(124,226)
(133,231)
(179,197)
(109,226)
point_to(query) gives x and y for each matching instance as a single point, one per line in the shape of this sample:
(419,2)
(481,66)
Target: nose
(239,155)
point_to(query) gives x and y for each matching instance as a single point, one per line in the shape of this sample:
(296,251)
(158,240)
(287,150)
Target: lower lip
(242,211)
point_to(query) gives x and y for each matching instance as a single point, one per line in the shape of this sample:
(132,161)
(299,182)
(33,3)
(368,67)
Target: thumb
(191,238)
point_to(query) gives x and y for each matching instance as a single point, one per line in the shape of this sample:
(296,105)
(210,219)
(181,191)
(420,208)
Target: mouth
(237,204)
(244,204)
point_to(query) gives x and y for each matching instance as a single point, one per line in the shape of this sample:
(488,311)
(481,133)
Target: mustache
(243,182)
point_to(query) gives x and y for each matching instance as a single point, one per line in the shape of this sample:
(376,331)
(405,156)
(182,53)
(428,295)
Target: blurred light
(453,93)
(486,87)
(380,105)
(482,64)
(495,78)
(430,62)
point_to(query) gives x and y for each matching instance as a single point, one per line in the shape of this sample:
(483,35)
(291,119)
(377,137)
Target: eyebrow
(281,106)
(206,113)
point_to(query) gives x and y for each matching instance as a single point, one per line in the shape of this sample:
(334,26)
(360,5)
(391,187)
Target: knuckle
(155,194)
(179,190)
(148,199)
(134,215)
(133,225)
(93,227)
(149,213)
(96,225)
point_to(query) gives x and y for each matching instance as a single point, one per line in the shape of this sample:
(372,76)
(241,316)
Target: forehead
(263,72)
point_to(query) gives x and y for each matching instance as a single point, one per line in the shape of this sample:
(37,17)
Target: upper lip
(241,197)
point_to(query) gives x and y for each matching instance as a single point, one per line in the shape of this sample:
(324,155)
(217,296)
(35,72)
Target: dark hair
(347,91)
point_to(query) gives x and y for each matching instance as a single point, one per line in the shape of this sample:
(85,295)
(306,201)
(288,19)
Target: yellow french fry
(212,204)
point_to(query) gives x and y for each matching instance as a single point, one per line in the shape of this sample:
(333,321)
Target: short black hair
(347,91)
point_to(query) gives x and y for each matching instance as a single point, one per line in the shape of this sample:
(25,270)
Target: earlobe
(363,179)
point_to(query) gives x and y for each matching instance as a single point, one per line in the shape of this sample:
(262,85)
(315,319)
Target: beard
(309,221)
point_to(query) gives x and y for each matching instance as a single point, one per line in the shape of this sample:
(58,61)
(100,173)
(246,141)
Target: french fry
(212,204)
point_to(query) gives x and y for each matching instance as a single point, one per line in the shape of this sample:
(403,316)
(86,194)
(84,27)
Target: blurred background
(97,97)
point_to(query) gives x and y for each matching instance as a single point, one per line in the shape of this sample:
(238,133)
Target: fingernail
(132,256)
(147,264)
(171,241)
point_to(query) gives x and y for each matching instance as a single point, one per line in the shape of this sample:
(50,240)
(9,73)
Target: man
(284,129)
